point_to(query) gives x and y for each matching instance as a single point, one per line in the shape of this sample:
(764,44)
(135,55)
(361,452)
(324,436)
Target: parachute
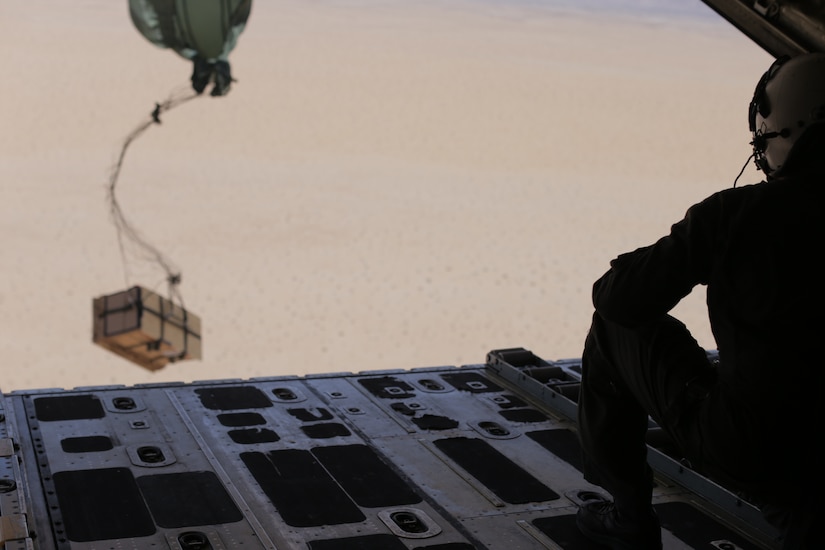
(201,31)
(139,324)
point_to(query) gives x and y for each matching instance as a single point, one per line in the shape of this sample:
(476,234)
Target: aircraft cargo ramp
(441,458)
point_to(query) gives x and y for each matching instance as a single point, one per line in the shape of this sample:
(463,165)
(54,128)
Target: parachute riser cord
(125,230)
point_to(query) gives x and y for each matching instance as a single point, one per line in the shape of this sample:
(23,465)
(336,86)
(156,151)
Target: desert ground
(388,185)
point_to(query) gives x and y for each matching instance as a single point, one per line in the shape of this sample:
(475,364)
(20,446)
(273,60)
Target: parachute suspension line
(125,230)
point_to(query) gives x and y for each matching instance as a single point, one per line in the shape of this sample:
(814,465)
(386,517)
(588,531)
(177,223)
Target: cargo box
(145,328)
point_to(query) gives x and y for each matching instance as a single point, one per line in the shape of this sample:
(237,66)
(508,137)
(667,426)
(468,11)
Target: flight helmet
(788,102)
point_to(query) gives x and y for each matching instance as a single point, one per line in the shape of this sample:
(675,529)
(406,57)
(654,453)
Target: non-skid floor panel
(563,531)
(502,476)
(367,542)
(365,477)
(697,529)
(301,489)
(102,504)
(187,499)
(87,444)
(326,430)
(228,398)
(237,420)
(68,407)
(435,422)
(250,436)
(561,442)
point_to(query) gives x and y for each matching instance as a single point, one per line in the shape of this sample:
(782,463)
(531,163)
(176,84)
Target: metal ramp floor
(439,458)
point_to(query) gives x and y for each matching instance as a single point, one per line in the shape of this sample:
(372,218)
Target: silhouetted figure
(203,31)
(754,421)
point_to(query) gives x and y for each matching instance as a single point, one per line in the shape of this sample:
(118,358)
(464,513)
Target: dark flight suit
(754,422)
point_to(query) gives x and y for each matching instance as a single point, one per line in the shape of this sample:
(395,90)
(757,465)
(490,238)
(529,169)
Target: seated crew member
(205,34)
(754,421)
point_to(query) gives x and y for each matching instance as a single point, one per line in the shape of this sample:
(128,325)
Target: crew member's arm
(645,284)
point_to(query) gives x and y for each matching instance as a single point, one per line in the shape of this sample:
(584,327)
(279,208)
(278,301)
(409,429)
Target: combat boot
(601,522)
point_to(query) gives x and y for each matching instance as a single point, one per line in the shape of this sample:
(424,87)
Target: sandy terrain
(388,185)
